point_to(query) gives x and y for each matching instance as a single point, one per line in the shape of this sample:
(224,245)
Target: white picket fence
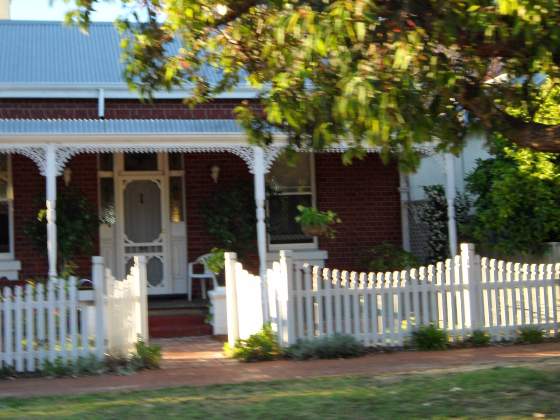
(59,321)
(460,295)
(127,309)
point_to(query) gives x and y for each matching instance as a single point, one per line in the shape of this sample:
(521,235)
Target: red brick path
(199,361)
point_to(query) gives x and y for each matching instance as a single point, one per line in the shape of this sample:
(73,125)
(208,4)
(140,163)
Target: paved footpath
(199,361)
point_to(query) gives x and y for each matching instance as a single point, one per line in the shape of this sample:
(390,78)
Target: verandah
(51,143)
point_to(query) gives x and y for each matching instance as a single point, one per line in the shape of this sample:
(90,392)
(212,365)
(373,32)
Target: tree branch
(537,136)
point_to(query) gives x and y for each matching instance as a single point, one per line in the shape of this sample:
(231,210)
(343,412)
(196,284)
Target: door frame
(111,235)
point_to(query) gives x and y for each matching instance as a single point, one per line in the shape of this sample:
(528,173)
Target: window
(290,183)
(176,213)
(119,164)
(140,162)
(107,200)
(175,161)
(106,162)
(106,189)
(6,211)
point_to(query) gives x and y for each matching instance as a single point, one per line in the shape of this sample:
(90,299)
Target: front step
(178,322)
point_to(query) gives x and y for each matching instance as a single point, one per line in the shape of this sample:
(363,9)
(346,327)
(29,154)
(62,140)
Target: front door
(145,229)
(142,206)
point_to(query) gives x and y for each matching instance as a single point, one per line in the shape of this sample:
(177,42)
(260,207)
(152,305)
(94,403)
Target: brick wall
(200,186)
(29,196)
(365,196)
(115,108)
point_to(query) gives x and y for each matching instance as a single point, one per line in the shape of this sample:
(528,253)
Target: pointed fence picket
(39,325)
(56,321)
(460,295)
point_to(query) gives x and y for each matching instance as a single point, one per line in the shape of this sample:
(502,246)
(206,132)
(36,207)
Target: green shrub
(229,215)
(333,347)
(57,368)
(260,346)
(388,257)
(530,335)
(89,365)
(145,357)
(84,365)
(479,338)
(430,337)
(517,205)
(7,372)
(77,227)
(148,356)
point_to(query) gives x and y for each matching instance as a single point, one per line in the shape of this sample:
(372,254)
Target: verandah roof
(12,127)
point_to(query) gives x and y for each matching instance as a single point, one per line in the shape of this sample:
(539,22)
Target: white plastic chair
(207,274)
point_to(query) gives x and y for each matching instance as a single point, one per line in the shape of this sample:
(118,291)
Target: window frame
(10,200)
(313,245)
(162,170)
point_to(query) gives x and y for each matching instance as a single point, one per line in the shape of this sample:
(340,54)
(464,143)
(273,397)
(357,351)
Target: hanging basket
(315,230)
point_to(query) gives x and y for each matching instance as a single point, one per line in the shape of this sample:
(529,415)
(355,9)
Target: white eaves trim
(110,91)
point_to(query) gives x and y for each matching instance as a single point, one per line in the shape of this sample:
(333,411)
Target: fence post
(98,279)
(231,298)
(140,263)
(286,297)
(471,272)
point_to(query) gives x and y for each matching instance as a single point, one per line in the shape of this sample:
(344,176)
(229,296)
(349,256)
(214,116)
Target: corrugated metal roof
(32,127)
(34,52)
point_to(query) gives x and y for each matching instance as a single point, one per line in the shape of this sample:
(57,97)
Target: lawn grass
(498,392)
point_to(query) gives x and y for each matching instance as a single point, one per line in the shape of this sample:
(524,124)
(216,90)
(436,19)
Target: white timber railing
(57,321)
(460,295)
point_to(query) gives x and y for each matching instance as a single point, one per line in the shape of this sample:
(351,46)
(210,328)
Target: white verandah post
(405,199)
(259,171)
(450,195)
(50,176)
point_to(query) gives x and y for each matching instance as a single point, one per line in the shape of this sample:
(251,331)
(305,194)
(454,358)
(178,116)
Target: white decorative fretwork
(65,152)
(35,153)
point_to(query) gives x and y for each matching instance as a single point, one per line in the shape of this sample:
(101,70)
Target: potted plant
(215,261)
(315,222)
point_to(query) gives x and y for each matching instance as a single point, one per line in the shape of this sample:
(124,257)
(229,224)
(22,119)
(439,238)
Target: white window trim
(296,246)
(10,193)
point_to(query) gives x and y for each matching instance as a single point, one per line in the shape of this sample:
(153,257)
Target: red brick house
(67,118)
